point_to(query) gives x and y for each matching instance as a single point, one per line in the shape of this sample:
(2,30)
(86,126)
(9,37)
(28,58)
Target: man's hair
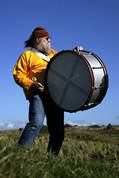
(37,32)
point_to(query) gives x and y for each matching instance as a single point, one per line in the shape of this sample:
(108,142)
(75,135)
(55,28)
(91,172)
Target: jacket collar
(43,56)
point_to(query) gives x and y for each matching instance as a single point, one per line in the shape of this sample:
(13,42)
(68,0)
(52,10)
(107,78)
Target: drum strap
(43,56)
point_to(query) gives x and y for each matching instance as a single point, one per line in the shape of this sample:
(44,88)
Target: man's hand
(78,49)
(36,86)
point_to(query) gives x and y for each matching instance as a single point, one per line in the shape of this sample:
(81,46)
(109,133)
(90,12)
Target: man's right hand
(36,86)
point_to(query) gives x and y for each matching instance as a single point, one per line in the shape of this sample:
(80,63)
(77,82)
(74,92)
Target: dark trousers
(55,123)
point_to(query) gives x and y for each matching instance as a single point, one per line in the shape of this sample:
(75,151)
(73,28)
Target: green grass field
(87,152)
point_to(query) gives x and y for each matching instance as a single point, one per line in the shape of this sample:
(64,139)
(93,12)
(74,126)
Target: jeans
(39,106)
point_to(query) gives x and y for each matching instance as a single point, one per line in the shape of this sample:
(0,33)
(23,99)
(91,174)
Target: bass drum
(76,82)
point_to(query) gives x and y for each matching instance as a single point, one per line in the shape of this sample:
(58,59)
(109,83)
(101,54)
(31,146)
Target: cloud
(10,125)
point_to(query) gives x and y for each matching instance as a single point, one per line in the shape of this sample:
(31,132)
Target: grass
(86,153)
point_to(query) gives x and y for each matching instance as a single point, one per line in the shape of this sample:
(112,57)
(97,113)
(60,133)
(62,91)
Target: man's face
(44,44)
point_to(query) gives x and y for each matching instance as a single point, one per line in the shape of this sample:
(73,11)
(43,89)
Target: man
(29,73)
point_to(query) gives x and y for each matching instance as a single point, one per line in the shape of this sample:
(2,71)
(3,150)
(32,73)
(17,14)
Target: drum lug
(100,87)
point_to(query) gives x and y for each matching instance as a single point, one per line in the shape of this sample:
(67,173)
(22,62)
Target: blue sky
(93,24)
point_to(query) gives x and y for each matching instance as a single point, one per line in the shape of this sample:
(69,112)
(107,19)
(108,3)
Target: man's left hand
(78,49)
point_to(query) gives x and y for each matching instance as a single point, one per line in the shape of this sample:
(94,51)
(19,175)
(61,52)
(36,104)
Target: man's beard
(46,49)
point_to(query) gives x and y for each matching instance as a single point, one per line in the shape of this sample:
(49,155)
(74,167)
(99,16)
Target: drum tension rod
(97,67)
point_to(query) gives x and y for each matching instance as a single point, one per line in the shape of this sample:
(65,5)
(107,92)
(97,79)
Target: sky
(93,24)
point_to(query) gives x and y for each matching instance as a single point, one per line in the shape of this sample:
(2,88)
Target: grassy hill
(87,152)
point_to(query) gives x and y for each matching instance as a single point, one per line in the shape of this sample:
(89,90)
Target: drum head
(68,80)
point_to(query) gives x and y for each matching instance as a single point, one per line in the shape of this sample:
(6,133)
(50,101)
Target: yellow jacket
(30,65)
